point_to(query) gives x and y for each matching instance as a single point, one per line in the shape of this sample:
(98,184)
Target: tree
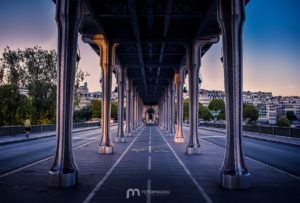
(204,113)
(186,109)
(218,105)
(114,110)
(283,122)
(83,114)
(34,69)
(250,112)
(96,106)
(291,116)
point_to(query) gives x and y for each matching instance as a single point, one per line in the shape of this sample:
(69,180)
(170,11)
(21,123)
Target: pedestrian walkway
(33,136)
(149,167)
(271,138)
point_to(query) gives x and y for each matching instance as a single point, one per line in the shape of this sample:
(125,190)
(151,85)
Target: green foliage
(34,69)
(250,112)
(186,109)
(283,122)
(218,104)
(291,116)
(114,110)
(14,107)
(204,113)
(96,108)
(83,114)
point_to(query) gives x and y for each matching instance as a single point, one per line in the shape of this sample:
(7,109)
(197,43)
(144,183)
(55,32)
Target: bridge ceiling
(150,34)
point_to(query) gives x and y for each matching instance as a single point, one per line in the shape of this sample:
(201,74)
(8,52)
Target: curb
(46,136)
(258,138)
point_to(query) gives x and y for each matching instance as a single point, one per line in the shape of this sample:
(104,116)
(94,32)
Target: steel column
(231,16)
(179,79)
(64,172)
(128,107)
(132,107)
(121,77)
(173,108)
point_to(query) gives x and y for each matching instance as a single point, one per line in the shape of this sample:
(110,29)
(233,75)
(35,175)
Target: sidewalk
(271,138)
(22,138)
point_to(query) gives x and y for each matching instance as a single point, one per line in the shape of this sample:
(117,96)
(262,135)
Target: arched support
(179,79)
(231,16)
(121,77)
(64,171)
(107,62)
(193,65)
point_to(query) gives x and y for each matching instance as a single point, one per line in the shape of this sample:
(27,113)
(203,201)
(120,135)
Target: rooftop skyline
(271,44)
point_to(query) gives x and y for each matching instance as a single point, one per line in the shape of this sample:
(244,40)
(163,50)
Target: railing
(16,130)
(271,130)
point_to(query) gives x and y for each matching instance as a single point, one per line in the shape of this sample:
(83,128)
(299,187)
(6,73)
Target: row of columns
(233,173)
(231,15)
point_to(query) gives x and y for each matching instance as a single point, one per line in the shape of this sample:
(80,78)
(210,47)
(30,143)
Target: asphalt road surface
(16,155)
(281,156)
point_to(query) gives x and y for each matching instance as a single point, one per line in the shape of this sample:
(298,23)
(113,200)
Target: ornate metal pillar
(169,109)
(231,16)
(172,98)
(193,65)
(107,62)
(133,109)
(179,79)
(64,172)
(121,77)
(128,107)
(166,111)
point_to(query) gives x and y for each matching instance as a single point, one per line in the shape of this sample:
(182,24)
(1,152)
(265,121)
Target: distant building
(86,97)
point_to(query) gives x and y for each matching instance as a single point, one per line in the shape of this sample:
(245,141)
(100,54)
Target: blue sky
(271,43)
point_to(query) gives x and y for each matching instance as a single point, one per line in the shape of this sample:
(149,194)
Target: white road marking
(149,148)
(40,161)
(100,183)
(45,159)
(149,163)
(148,191)
(201,190)
(259,162)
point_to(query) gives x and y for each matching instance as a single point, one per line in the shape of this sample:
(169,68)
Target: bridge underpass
(151,45)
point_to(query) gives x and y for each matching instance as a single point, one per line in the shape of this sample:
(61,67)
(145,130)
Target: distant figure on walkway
(27,127)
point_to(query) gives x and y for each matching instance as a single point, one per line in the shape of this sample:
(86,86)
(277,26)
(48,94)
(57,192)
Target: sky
(271,44)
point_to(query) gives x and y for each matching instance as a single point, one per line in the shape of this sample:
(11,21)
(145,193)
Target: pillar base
(233,181)
(105,149)
(120,139)
(193,150)
(60,179)
(179,140)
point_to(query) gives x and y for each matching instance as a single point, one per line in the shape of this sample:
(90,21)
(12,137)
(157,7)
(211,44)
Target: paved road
(148,162)
(284,157)
(149,165)
(16,155)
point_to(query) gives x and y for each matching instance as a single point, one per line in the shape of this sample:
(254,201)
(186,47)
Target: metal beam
(207,15)
(135,27)
(165,32)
